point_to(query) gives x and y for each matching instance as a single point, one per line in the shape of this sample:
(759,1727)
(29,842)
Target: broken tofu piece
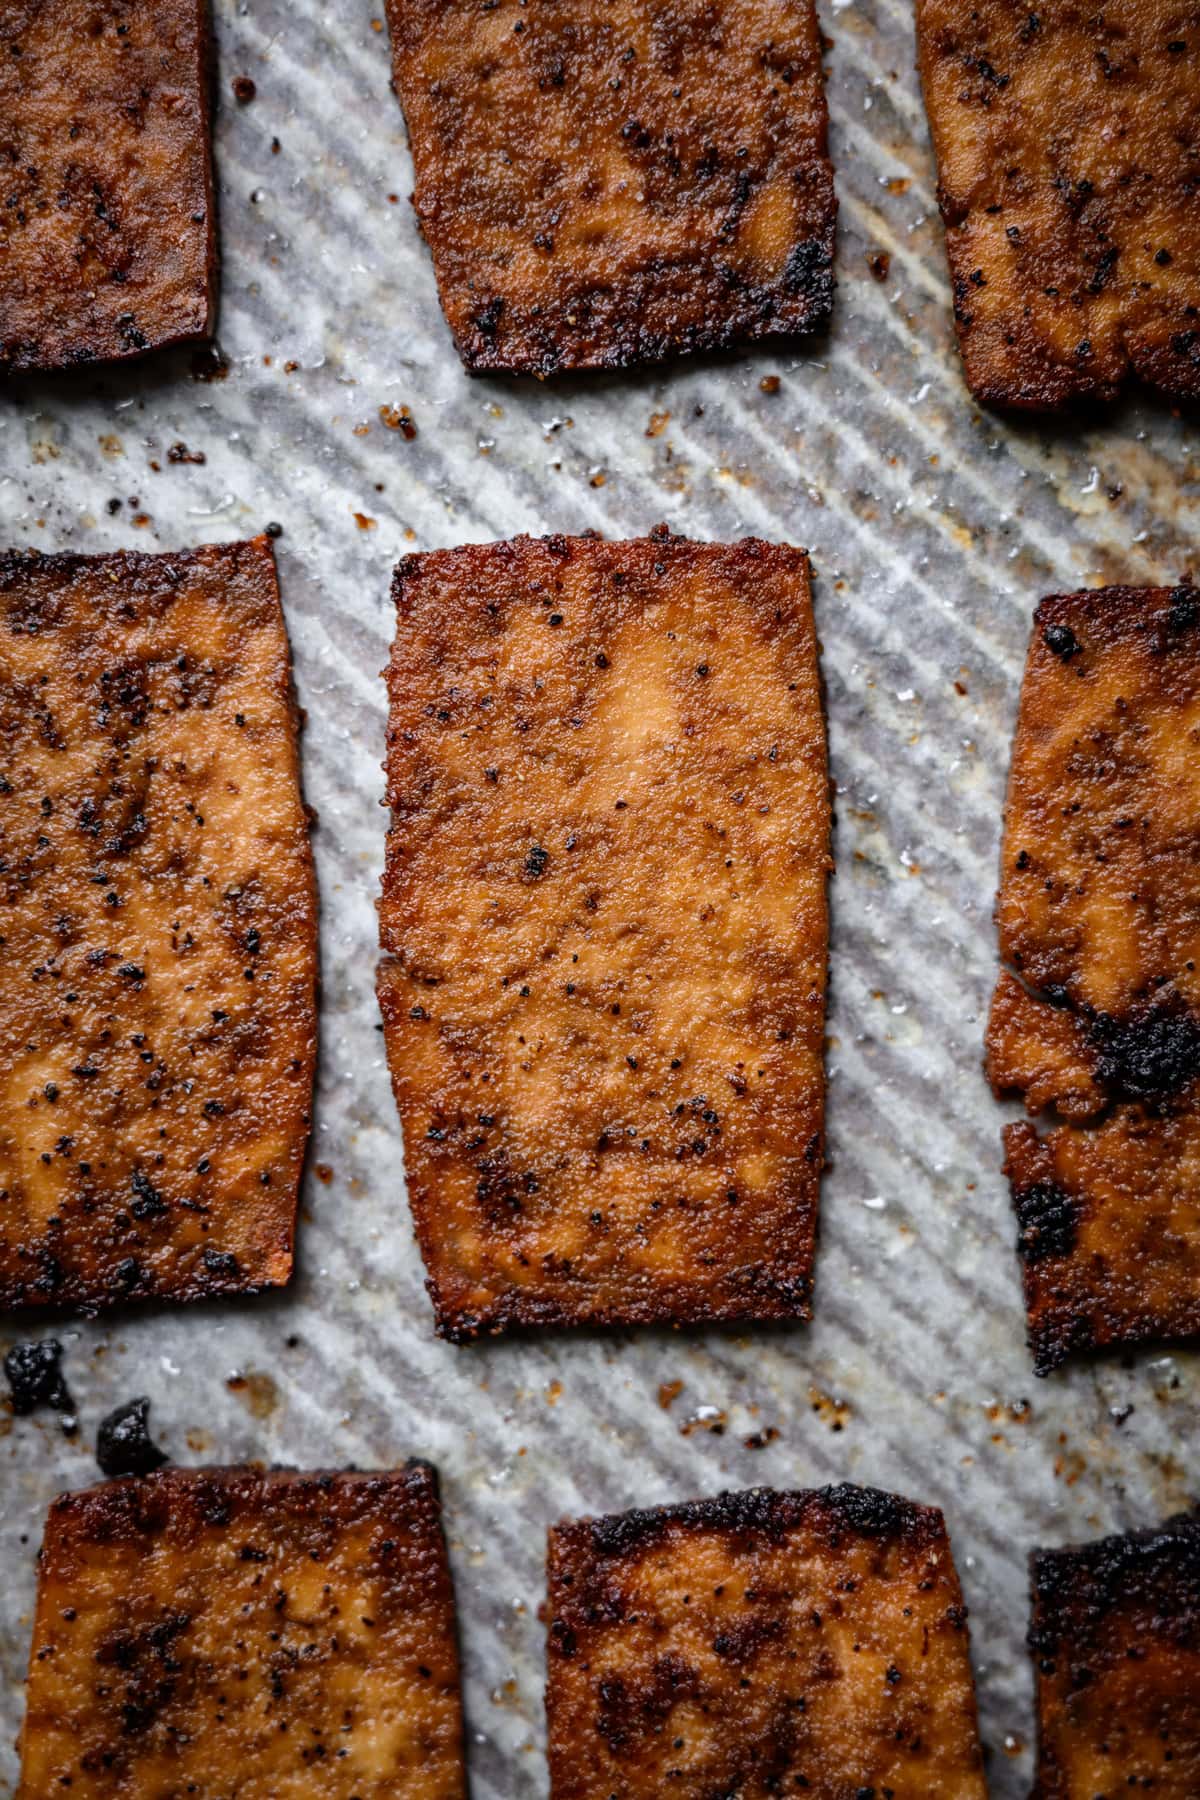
(1096,1015)
(107,234)
(759,1644)
(1067,143)
(158,933)
(1116,1643)
(601,185)
(290,1634)
(605,928)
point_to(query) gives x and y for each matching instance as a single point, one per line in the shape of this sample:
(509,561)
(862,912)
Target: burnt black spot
(1148,1057)
(809,271)
(123,1443)
(35,1378)
(221,1262)
(1047,1220)
(535,862)
(1184,610)
(871,1511)
(1061,641)
(148,1202)
(489,319)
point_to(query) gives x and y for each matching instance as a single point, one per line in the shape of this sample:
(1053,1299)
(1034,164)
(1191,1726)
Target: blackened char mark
(1150,1056)
(1155,1572)
(809,271)
(1048,1221)
(764,1512)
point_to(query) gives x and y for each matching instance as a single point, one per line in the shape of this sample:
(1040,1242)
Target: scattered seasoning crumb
(879,264)
(34,1373)
(123,1443)
(758,1440)
(244,89)
(399,418)
(705,1418)
(769,384)
(658,423)
(668,1393)
(365,522)
(323,1173)
(834,1413)
(273,528)
(179,453)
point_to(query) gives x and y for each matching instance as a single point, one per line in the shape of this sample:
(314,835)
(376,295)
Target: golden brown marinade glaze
(157,928)
(604,921)
(1068,150)
(760,1644)
(107,230)
(603,184)
(203,1631)
(1096,1014)
(1116,1644)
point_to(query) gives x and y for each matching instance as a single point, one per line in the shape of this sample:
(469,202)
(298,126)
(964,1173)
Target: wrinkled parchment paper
(934,530)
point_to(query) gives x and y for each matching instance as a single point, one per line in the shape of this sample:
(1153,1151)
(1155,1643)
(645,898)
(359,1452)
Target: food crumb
(123,1443)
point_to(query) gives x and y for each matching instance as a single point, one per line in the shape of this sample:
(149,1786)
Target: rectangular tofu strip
(107,231)
(1116,1642)
(605,928)
(203,1632)
(1068,152)
(760,1644)
(604,184)
(1096,1015)
(157,928)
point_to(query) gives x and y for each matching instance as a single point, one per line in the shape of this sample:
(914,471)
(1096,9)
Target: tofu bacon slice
(605,933)
(1067,142)
(158,963)
(1116,1643)
(108,232)
(602,185)
(205,1631)
(1096,1014)
(760,1644)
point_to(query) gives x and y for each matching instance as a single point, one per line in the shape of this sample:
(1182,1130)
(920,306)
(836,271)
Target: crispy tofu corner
(158,975)
(605,932)
(760,1643)
(296,1628)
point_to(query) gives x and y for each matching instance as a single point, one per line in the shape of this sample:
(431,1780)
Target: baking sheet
(934,530)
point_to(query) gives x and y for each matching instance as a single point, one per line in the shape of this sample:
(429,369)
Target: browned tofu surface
(760,1644)
(202,1632)
(605,924)
(107,232)
(1096,1018)
(1068,150)
(602,184)
(157,928)
(1116,1645)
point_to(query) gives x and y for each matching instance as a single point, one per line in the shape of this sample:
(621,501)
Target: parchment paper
(934,530)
